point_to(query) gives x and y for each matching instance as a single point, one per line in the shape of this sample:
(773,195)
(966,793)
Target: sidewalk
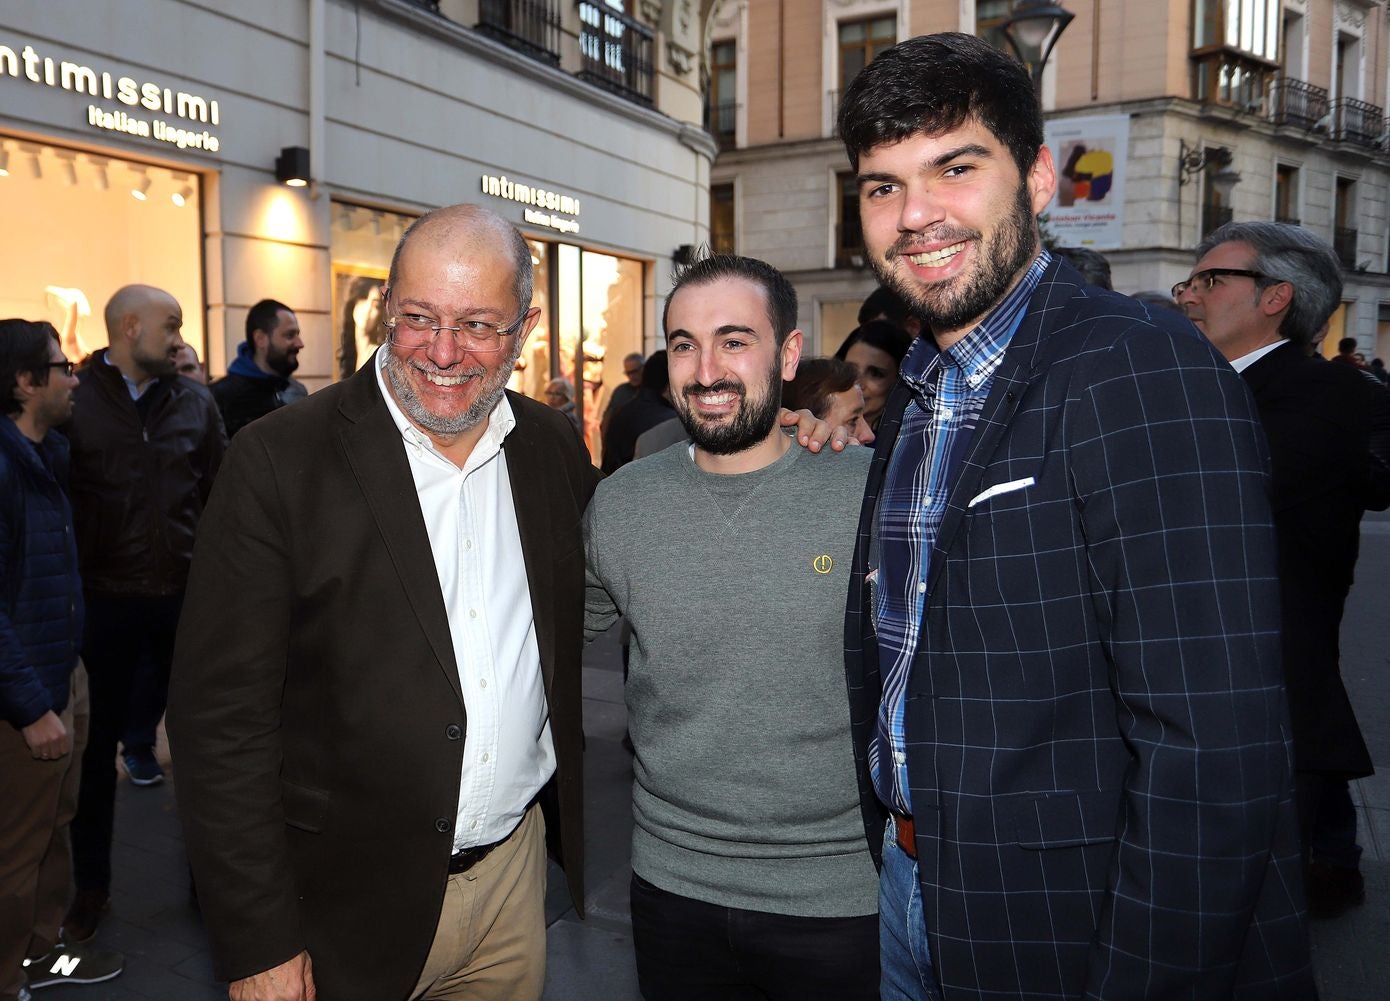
(154,922)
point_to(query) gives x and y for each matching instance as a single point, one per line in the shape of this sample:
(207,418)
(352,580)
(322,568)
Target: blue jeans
(904,958)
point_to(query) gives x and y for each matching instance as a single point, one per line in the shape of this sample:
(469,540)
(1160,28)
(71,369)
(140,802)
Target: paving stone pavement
(154,922)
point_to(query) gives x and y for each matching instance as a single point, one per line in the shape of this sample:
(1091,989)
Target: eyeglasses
(414,330)
(1205,280)
(65,365)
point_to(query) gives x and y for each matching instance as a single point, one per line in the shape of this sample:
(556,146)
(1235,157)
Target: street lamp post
(1032,29)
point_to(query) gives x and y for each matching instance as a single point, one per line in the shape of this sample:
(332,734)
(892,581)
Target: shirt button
(474,825)
(482,682)
(486,757)
(945,413)
(472,613)
(443,826)
(921,587)
(899,757)
(467,543)
(453,731)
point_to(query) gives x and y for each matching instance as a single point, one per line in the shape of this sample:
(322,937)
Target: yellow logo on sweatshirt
(822,563)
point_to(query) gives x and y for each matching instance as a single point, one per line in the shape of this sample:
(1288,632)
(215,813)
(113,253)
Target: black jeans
(688,950)
(122,632)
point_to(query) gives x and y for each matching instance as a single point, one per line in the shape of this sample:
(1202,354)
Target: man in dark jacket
(258,381)
(652,406)
(42,686)
(145,446)
(1261,291)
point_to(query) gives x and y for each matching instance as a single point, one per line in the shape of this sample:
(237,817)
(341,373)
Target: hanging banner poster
(1089,207)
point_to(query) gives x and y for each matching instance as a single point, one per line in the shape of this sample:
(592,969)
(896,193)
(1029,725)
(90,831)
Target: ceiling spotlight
(35,167)
(142,186)
(292,166)
(185,191)
(376,224)
(4,162)
(69,161)
(103,180)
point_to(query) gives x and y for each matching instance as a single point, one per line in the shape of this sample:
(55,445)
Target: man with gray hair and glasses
(1261,292)
(376,689)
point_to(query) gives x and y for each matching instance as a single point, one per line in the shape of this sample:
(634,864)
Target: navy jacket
(40,591)
(1097,737)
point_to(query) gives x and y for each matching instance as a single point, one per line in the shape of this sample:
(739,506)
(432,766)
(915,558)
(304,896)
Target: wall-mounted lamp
(683,255)
(292,166)
(1215,160)
(1032,29)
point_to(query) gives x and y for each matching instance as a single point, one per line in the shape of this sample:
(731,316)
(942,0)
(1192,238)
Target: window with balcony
(721,107)
(721,219)
(616,50)
(1293,100)
(1344,222)
(1235,48)
(859,42)
(529,26)
(1286,194)
(849,238)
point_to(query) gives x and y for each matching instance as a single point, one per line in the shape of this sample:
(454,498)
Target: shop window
(591,317)
(721,219)
(1235,49)
(92,224)
(361,242)
(849,238)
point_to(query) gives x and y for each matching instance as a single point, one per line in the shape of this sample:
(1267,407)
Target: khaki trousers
(490,942)
(37,801)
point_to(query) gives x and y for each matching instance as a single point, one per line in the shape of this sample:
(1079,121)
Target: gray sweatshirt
(744,792)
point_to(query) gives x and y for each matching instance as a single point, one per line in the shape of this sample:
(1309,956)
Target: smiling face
(949,222)
(441,386)
(726,368)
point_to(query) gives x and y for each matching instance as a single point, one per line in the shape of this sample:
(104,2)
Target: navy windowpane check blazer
(1097,733)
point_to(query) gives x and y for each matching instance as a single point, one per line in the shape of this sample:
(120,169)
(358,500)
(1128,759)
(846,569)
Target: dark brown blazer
(315,710)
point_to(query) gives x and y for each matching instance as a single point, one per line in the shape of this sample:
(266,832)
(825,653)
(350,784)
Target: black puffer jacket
(140,478)
(40,594)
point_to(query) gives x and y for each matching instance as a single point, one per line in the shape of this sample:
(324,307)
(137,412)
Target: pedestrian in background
(260,379)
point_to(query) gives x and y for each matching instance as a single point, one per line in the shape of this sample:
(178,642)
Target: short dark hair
(1346,345)
(934,83)
(265,315)
(817,379)
(23,348)
(656,377)
(884,303)
(1288,253)
(780,295)
(878,334)
(1092,264)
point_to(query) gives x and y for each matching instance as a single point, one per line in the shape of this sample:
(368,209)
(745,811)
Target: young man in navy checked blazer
(1062,631)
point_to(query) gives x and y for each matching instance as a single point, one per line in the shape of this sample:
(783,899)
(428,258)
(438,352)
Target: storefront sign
(1090,154)
(546,203)
(26,64)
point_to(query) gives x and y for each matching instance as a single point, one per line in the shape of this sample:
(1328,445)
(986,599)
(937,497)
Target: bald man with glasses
(377,683)
(1262,293)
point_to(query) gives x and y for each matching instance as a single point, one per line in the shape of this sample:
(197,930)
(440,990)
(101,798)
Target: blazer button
(453,731)
(443,826)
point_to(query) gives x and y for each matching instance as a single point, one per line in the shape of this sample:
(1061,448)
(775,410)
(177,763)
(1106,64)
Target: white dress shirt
(1246,360)
(508,753)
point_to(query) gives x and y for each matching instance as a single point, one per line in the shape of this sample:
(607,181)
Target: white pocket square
(1001,488)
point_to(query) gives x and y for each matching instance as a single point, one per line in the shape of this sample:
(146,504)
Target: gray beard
(489,393)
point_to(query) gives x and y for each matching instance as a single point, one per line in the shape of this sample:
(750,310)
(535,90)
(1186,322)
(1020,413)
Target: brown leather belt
(462,861)
(906,835)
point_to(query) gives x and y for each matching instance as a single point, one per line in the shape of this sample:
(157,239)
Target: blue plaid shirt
(949,389)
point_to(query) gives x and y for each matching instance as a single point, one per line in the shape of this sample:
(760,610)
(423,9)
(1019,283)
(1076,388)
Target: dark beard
(1000,260)
(751,424)
(282,364)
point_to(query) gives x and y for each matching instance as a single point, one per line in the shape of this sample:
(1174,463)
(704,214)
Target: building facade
(1166,118)
(140,142)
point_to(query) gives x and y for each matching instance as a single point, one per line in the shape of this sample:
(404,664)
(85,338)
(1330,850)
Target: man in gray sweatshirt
(729,556)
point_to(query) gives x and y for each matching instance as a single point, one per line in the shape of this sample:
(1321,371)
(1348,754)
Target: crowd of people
(1036,696)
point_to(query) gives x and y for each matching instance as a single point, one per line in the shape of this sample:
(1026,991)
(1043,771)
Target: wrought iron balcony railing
(529,26)
(1357,122)
(617,51)
(1344,243)
(1296,103)
(721,121)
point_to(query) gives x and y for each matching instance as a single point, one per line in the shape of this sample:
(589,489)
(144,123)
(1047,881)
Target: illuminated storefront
(108,124)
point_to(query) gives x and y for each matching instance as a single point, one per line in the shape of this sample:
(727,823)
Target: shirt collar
(979,352)
(131,386)
(500,421)
(1246,360)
